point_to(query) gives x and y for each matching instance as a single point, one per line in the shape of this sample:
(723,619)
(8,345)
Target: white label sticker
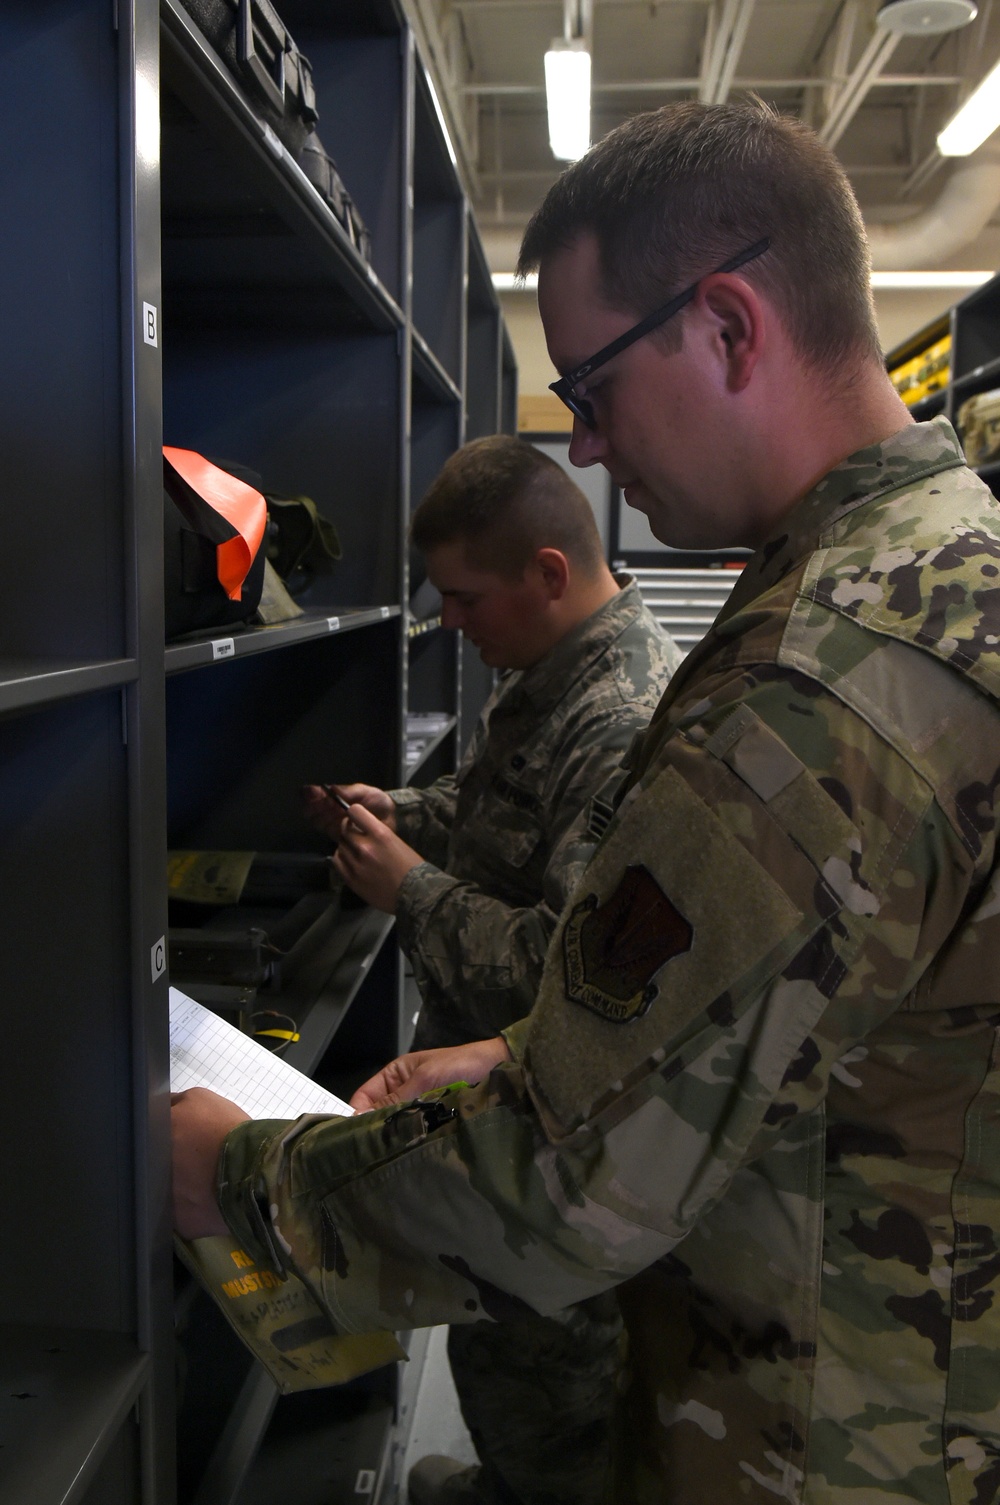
(149,324)
(158,958)
(385,612)
(365,1482)
(223,648)
(333,624)
(273,142)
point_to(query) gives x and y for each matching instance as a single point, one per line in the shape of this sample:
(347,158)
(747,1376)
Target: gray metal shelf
(419,628)
(214,301)
(241,1437)
(63,1397)
(429,748)
(321,993)
(210,86)
(224,645)
(36,682)
(430,375)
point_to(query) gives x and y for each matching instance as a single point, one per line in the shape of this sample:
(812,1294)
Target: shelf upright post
(406,500)
(142,334)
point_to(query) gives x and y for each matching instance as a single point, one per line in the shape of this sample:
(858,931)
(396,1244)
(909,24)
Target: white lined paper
(206,1051)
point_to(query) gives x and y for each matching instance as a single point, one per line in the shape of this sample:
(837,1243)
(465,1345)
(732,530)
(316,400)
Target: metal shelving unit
(180,280)
(685,601)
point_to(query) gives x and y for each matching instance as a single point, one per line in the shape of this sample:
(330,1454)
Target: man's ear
(737,319)
(553,569)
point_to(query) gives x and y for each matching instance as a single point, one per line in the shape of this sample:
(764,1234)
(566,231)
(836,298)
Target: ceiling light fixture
(975,120)
(507,282)
(925,18)
(898,281)
(567,95)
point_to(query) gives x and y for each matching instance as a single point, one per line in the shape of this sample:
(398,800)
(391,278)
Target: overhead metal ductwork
(967,203)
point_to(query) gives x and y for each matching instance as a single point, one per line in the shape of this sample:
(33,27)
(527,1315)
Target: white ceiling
(879,102)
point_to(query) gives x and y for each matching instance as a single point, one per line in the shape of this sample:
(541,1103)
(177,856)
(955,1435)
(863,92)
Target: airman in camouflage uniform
(506,839)
(759,1090)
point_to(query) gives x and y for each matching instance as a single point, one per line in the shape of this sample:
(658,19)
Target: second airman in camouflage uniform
(506,840)
(759,1091)
(503,843)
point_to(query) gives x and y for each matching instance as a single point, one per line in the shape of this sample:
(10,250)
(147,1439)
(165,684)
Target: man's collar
(920,449)
(546,682)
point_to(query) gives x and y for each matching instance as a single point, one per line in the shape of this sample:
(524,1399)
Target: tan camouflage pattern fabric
(785,1145)
(506,839)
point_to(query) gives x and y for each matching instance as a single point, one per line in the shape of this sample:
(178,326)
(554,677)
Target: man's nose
(587,446)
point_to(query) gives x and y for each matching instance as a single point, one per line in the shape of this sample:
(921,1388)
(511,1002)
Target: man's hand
(200,1120)
(372,859)
(408,1076)
(328,816)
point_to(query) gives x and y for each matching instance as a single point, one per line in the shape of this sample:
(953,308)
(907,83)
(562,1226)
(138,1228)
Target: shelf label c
(158,958)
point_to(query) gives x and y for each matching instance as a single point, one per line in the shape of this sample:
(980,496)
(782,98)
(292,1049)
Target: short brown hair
(675,192)
(505,500)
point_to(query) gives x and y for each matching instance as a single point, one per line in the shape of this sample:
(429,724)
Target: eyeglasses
(581,407)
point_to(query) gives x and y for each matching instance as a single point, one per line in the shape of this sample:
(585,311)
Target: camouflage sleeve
(424,817)
(747,919)
(486,956)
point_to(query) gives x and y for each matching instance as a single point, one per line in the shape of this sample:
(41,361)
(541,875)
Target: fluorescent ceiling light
(929,279)
(977,119)
(567,94)
(504,282)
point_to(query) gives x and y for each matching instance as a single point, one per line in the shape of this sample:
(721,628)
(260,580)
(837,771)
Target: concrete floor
(437,1420)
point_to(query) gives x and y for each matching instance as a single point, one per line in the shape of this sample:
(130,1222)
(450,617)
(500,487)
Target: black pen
(334,795)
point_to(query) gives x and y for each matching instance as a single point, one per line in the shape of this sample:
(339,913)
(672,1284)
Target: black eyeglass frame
(580,407)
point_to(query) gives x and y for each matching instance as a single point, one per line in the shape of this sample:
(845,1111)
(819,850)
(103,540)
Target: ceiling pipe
(849,99)
(963,209)
(725,33)
(688,85)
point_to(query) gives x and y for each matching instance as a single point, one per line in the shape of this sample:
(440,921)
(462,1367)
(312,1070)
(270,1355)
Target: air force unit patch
(613,950)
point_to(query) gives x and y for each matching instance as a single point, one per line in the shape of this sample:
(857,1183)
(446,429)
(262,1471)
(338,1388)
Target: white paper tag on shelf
(223,648)
(273,143)
(385,611)
(333,624)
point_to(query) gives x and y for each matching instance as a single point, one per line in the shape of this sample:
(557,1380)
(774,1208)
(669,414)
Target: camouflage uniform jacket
(503,840)
(762,1073)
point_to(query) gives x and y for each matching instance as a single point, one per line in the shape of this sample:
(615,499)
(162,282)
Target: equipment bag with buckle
(213,532)
(321,170)
(254,43)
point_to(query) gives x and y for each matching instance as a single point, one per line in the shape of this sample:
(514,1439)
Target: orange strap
(234,500)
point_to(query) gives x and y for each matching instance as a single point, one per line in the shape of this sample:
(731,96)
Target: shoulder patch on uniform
(613,950)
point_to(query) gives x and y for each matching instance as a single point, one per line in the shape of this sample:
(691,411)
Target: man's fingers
(363,820)
(384,1086)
